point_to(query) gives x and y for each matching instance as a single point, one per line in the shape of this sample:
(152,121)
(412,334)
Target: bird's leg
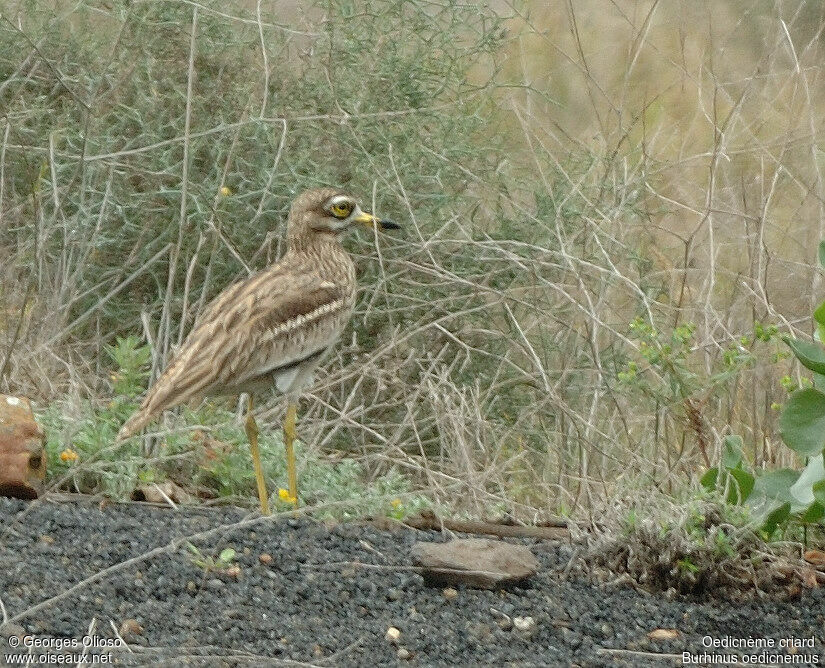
(252,435)
(289,438)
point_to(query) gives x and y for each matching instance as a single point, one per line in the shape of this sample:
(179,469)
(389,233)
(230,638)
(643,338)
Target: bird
(272,329)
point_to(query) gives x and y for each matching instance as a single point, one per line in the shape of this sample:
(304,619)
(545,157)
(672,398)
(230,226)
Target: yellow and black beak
(370,221)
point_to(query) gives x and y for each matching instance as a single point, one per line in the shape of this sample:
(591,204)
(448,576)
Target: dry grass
(560,170)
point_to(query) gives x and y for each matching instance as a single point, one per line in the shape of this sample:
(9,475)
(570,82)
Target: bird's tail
(166,392)
(135,423)
(160,396)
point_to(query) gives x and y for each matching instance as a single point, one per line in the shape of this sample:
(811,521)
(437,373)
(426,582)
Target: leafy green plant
(771,496)
(785,494)
(224,561)
(669,376)
(215,459)
(131,358)
(687,565)
(732,475)
(80,438)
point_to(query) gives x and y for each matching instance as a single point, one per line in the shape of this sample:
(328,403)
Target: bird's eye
(341,209)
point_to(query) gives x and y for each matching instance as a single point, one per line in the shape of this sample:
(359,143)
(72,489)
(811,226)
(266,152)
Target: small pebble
(215,583)
(265,558)
(403,653)
(393,594)
(191,587)
(130,628)
(450,593)
(393,635)
(525,625)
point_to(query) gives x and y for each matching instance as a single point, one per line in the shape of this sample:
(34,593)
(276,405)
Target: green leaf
(708,480)
(819,382)
(814,514)
(802,495)
(819,314)
(810,355)
(227,555)
(687,565)
(802,423)
(822,254)
(731,451)
(819,492)
(771,499)
(774,485)
(741,486)
(775,517)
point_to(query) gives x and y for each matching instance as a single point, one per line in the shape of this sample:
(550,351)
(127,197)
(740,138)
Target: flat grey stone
(475,562)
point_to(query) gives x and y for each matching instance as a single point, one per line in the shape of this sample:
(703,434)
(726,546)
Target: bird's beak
(370,221)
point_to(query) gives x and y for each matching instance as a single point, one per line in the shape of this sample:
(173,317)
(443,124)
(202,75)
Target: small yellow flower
(395,503)
(68,455)
(283,495)
(226,191)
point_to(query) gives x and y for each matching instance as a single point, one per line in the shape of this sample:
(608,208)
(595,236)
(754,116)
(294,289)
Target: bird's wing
(264,322)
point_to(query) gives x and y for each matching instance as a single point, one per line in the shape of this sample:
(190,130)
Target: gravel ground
(311,604)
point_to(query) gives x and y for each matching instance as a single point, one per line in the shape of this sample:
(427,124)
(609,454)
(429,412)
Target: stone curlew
(272,329)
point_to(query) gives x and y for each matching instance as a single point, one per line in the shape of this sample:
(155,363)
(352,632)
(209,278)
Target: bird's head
(329,211)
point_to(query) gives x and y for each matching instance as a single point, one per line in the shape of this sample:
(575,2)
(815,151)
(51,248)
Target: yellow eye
(341,209)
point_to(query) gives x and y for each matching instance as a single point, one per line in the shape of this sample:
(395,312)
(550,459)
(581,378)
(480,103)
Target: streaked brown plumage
(273,328)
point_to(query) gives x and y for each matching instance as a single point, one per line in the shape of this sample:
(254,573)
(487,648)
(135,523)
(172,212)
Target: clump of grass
(702,548)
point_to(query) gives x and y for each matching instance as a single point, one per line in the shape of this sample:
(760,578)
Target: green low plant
(208,563)
(671,375)
(771,495)
(784,495)
(220,463)
(732,475)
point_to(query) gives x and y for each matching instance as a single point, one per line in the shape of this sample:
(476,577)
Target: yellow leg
(289,438)
(252,435)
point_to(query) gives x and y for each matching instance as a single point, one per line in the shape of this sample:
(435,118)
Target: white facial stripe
(338,199)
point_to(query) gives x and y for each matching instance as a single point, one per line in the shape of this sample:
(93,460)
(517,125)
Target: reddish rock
(22,449)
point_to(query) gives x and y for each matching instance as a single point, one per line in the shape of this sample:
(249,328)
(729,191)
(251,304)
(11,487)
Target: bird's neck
(325,253)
